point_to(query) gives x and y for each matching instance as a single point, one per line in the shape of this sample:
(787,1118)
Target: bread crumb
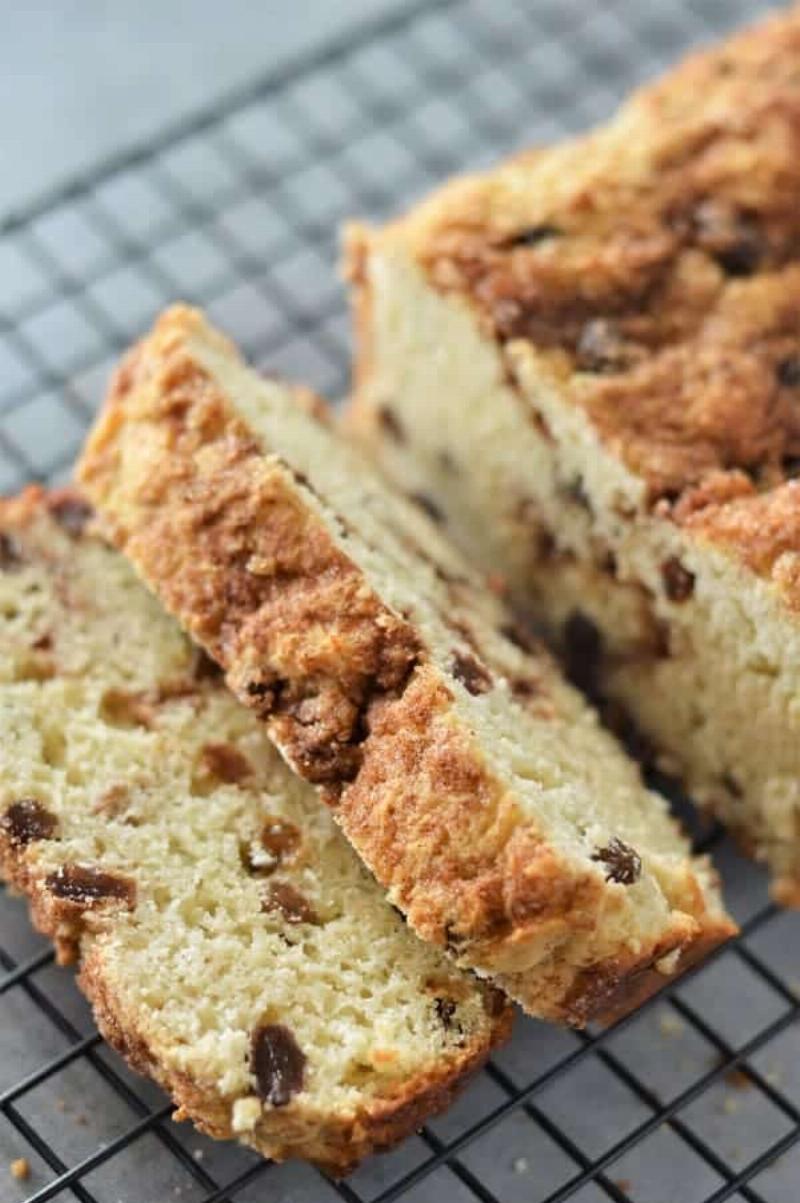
(668,964)
(198,1154)
(623,1184)
(521,1165)
(670,1025)
(245,1114)
(730,1105)
(774,1075)
(20,1169)
(738,1079)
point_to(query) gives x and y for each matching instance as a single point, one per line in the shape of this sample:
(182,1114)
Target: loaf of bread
(231,943)
(589,361)
(476,784)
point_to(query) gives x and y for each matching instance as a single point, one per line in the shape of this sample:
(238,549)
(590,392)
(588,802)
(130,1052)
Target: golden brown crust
(336,1144)
(761,529)
(511,884)
(232,542)
(232,547)
(656,265)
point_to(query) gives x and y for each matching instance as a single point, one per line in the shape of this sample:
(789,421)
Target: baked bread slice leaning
(231,943)
(475,783)
(589,361)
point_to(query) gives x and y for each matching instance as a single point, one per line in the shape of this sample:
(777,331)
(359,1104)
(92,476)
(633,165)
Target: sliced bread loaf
(589,360)
(232,945)
(477,785)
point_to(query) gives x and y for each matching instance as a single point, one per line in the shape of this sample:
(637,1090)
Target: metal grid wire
(695,1097)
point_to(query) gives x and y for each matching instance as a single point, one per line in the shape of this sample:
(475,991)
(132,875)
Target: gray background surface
(240,214)
(83,79)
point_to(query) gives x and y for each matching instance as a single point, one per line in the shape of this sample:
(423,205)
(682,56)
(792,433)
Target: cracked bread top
(475,783)
(653,268)
(232,944)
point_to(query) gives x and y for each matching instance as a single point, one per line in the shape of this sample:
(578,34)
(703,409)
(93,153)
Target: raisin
(303,480)
(277,1063)
(583,650)
(678,581)
(119,708)
(204,668)
(732,785)
(281,839)
(289,902)
(623,863)
(11,558)
(731,237)
(601,347)
(391,424)
(226,763)
(547,548)
(427,504)
(518,635)
(742,257)
(445,1010)
(266,694)
(85,884)
(576,492)
(471,673)
(788,371)
(524,687)
(27,820)
(328,762)
(539,423)
(533,235)
(72,515)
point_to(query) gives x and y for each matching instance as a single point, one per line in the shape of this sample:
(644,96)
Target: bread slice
(589,361)
(478,786)
(232,945)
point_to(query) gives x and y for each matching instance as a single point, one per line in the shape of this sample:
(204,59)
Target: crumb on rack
(774,1075)
(521,1165)
(20,1169)
(738,1079)
(670,1024)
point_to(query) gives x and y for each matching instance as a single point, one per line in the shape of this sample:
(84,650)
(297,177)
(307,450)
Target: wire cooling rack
(696,1097)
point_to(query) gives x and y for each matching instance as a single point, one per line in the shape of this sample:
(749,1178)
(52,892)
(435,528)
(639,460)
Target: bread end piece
(134,793)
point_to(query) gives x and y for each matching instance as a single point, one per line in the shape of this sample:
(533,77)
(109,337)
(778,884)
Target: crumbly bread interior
(209,895)
(560,775)
(587,359)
